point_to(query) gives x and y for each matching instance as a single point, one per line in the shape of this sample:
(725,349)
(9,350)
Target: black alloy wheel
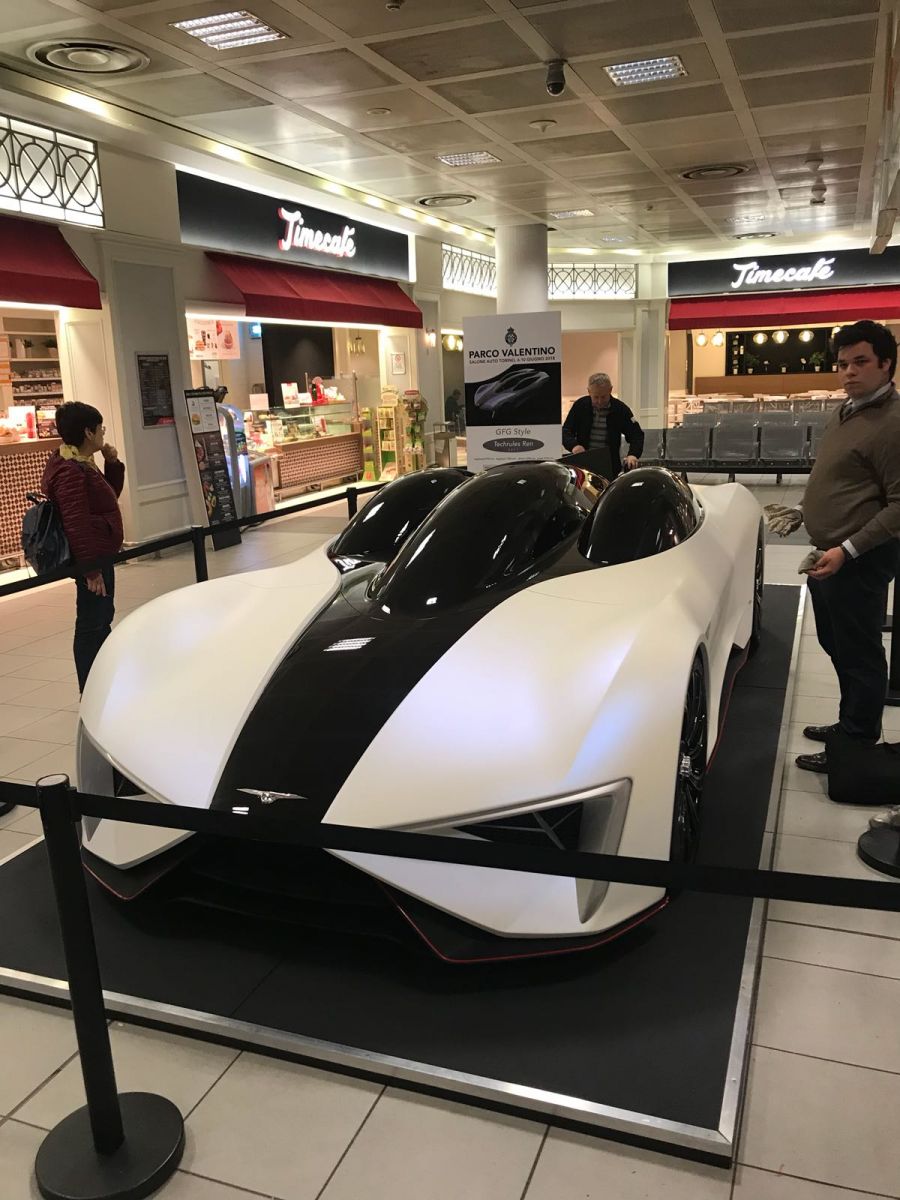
(759,572)
(691,771)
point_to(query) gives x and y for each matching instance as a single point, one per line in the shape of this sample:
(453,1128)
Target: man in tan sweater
(851,509)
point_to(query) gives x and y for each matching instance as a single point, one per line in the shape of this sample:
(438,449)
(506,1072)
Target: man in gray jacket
(851,509)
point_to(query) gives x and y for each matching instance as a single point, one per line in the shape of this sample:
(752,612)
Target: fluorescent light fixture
(648,70)
(226,30)
(565,214)
(580,250)
(468,158)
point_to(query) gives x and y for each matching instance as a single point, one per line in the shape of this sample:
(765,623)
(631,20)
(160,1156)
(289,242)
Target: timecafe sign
(218,216)
(783,272)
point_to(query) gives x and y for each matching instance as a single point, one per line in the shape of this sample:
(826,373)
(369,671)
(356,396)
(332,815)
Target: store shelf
(31,395)
(38,378)
(33,358)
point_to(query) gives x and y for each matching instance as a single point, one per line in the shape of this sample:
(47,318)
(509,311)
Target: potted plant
(817,360)
(751,362)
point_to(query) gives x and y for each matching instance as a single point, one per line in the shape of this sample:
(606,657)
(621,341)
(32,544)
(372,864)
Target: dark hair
(879,337)
(73,420)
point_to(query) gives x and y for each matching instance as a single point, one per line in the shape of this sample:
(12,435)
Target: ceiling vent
(446,200)
(88,57)
(716,171)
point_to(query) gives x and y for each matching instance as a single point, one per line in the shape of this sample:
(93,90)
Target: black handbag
(861,772)
(44,542)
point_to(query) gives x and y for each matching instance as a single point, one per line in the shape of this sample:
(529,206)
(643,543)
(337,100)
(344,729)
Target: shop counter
(317,460)
(21,467)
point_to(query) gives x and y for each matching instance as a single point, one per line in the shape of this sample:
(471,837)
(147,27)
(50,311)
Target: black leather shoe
(813,762)
(818,733)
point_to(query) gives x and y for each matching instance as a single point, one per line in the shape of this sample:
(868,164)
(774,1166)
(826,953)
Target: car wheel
(687,809)
(759,571)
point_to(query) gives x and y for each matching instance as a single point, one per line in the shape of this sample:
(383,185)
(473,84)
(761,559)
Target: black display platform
(642,1039)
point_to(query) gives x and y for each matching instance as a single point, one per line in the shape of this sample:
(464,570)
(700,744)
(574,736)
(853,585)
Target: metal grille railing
(591,281)
(475,273)
(49,174)
(469,271)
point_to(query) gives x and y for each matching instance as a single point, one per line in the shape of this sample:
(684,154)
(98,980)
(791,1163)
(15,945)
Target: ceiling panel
(627,181)
(514,89)
(836,163)
(14,46)
(505,158)
(676,102)
(448,53)
(377,171)
(694,55)
(762,14)
(38,12)
(612,25)
(322,152)
(824,140)
(689,129)
(488,177)
(405,107)
(327,73)
(813,46)
(804,86)
(263,124)
(606,165)
(186,95)
(159,24)
(438,138)
(573,117)
(578,144)
(800,117)
(729,200)
(363,18)
(681,158)
(710,187)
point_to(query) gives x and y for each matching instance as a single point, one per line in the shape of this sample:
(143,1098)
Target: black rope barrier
(277,827)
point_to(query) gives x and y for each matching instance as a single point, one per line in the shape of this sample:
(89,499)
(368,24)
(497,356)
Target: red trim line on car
(610,936)
(726,702)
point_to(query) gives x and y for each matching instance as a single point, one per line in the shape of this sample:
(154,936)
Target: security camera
(556,76)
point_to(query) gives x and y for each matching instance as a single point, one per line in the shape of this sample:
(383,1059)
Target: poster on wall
(155,386)
(209,453)
(211,338)
(513,376)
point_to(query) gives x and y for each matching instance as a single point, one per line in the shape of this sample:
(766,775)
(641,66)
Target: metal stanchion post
(893,692)
(198,540)
(351,501)
(115,1147)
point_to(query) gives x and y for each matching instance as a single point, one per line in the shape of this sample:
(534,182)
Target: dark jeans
(93,618)
(849,610)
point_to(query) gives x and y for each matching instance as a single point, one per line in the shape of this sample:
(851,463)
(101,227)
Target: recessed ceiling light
(611,239)
(716,171)
(88,57)
(648,70)
(446,200)
(378,112)
(565,213)
(226,30)
(752,237)
(746,218)
(468,158)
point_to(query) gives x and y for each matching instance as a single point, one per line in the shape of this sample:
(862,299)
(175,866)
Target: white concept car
(528,656)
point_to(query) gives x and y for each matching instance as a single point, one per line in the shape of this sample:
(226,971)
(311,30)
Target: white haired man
(599,421)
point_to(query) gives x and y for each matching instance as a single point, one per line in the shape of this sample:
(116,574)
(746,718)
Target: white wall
(583,354)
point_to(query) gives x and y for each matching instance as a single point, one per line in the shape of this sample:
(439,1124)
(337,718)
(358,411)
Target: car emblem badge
(511,336)
(267,797)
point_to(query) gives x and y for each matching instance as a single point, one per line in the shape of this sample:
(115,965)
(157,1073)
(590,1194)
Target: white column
(521,268)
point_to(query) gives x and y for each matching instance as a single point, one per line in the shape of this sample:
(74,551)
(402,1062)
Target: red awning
(272,289)
(37,266)
(839,306)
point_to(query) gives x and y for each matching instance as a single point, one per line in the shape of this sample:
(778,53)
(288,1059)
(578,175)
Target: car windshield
(490,534)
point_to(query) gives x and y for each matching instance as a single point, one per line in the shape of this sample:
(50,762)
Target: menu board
(209,453)
(155,384)
(212,338)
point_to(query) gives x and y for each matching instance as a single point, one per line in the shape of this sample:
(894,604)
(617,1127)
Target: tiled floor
(824,1093)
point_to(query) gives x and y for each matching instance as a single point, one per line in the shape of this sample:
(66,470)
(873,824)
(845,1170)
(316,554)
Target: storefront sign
(747,274)
(221,217)
(209,453)
(212,339)
(513,377)
(155,386)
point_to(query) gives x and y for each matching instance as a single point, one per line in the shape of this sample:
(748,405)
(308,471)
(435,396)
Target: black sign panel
(209,452)
(747,274)
(221,217)
(155,386)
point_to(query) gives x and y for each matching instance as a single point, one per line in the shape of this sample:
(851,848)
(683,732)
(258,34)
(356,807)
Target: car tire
(691,767)
(759,572)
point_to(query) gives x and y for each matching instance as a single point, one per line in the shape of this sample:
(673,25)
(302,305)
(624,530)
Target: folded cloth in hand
(809,562)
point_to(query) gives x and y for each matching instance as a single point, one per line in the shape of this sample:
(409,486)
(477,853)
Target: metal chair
(735,444)
(687,443)
(777,416)
(654,445)
(781,444)
(699,420)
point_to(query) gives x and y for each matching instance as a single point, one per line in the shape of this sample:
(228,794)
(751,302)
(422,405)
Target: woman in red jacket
(87,502)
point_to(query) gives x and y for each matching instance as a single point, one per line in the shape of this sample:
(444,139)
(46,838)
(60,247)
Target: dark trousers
(849,609)
(93,619)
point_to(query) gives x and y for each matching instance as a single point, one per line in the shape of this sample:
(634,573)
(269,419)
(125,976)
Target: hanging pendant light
(780,336)
(718,338)
(700,339)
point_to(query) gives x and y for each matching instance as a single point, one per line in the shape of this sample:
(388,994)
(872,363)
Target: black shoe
(818,733)
(813,762)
